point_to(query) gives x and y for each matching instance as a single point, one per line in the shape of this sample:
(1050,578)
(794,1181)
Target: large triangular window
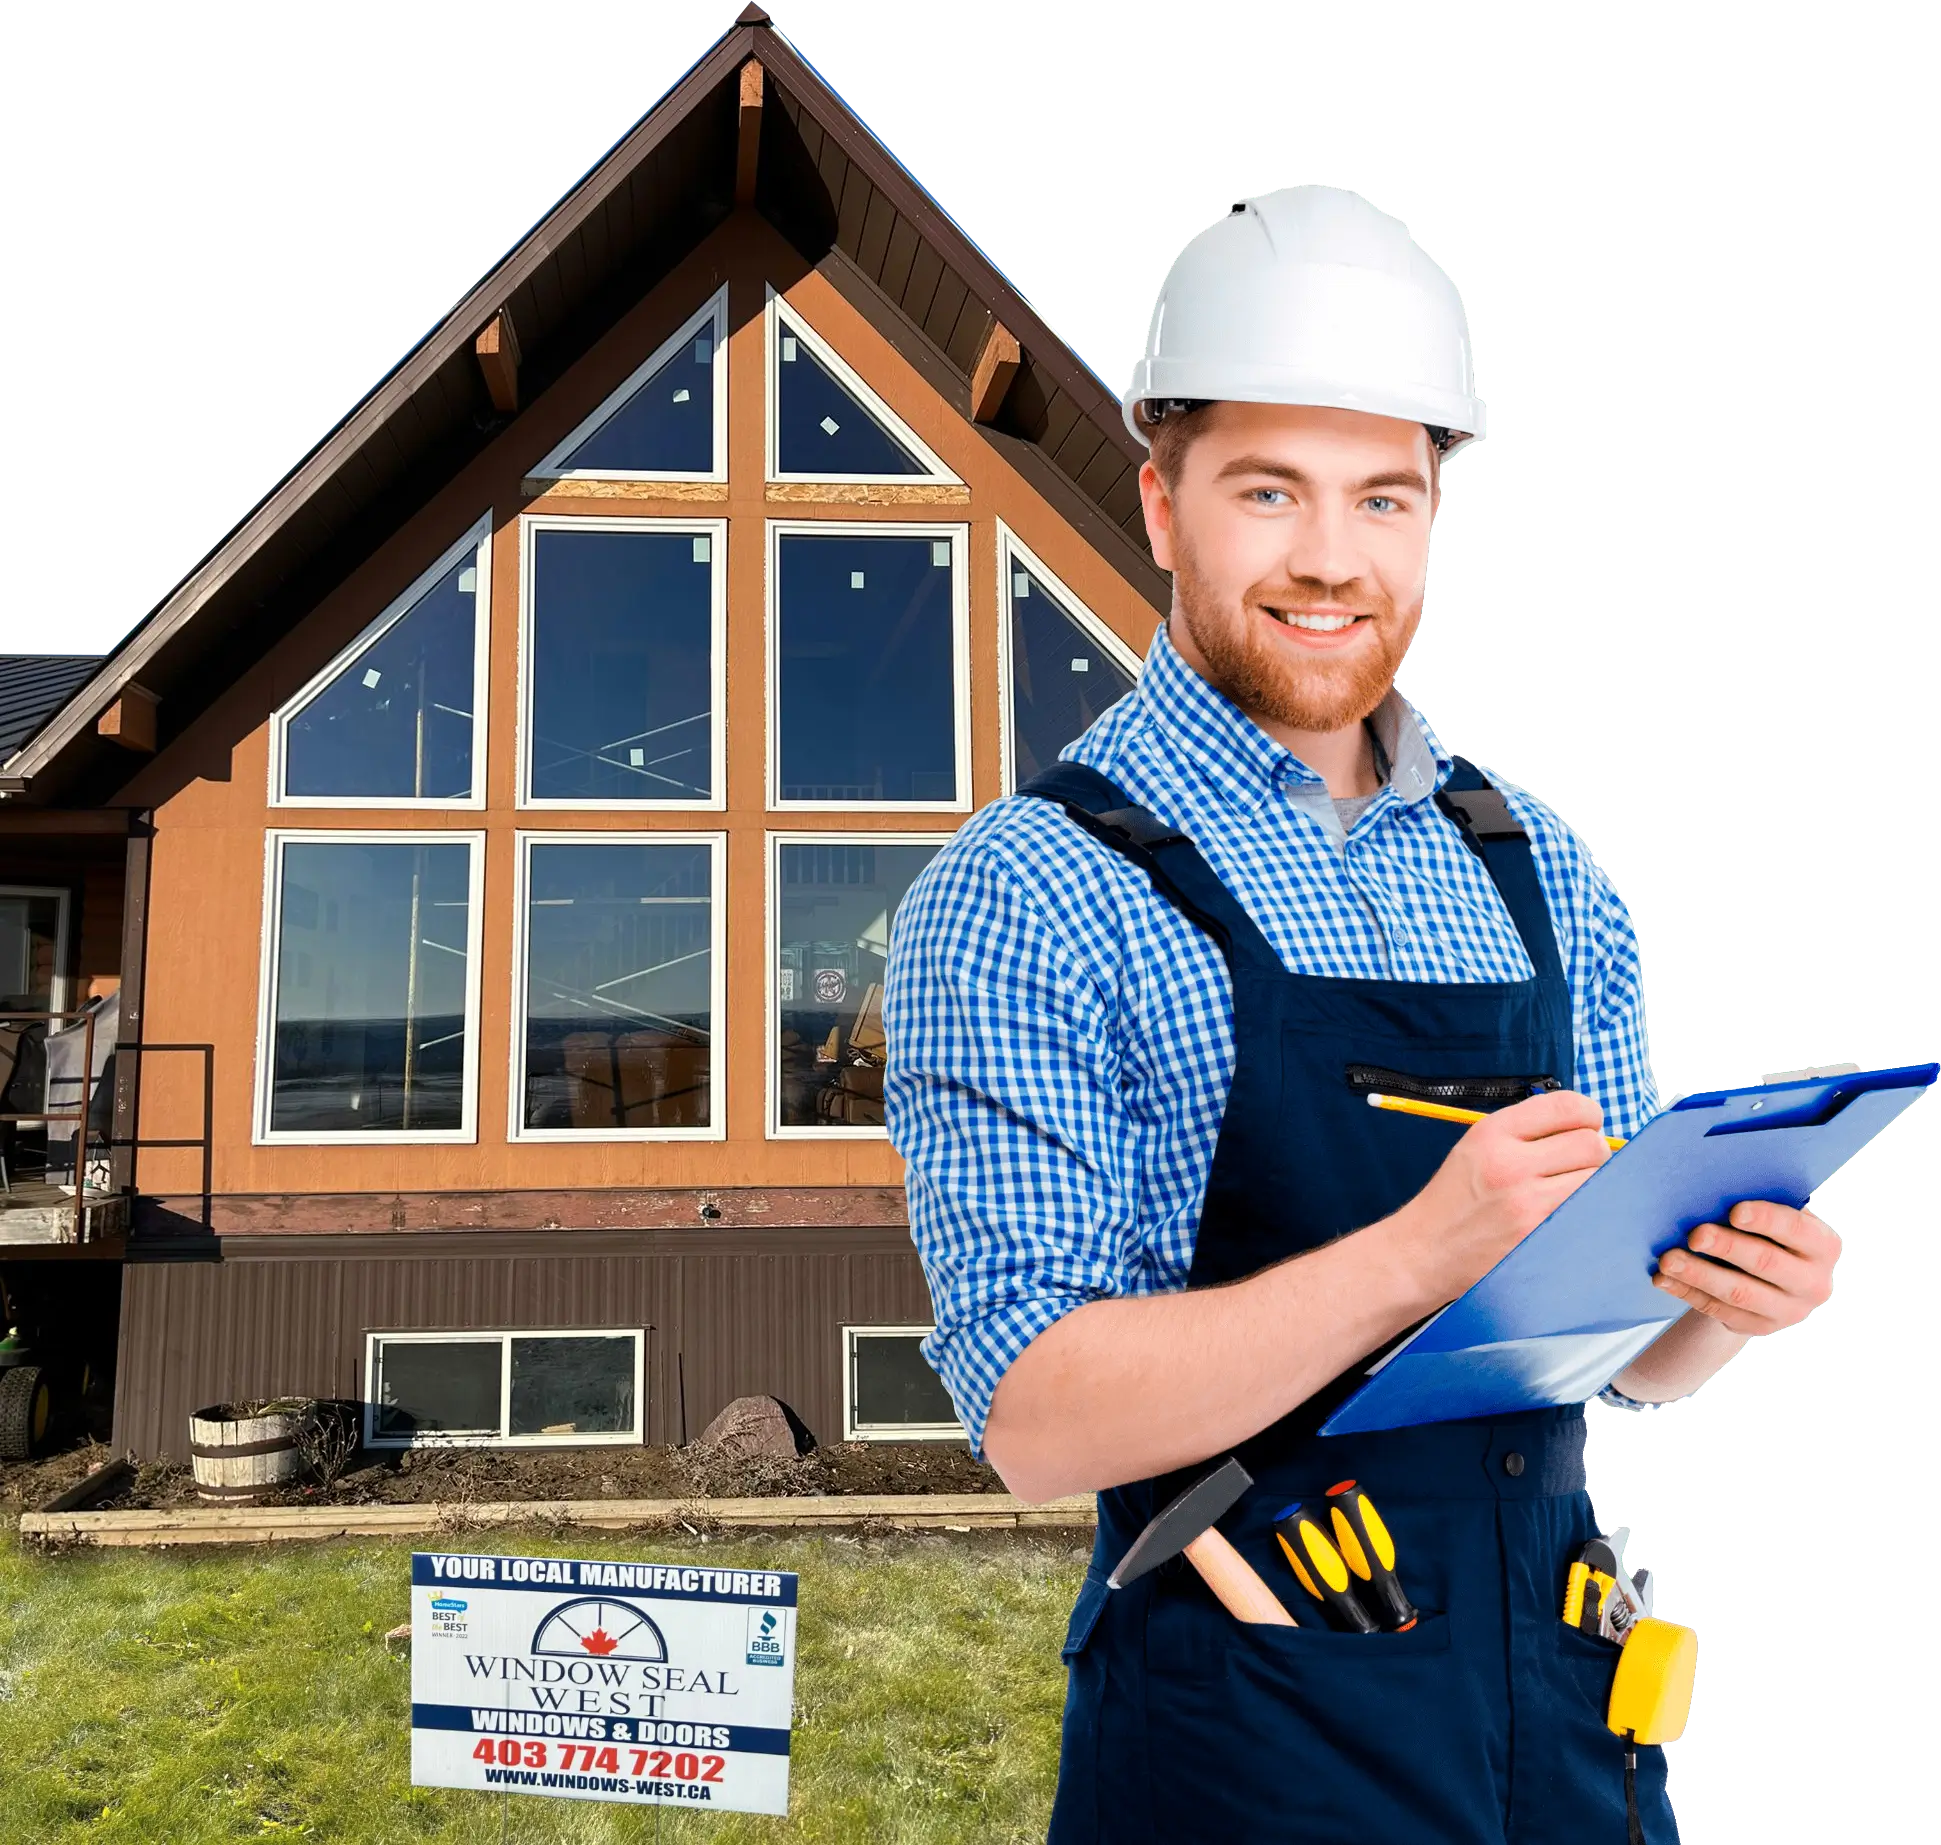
(393,720)
(669,421)
(824,422)
(1063,666)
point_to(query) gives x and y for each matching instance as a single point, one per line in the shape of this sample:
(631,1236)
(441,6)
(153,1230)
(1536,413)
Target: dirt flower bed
(483,1475)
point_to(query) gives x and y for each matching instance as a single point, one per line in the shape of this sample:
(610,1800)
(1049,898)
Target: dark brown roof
(824,180)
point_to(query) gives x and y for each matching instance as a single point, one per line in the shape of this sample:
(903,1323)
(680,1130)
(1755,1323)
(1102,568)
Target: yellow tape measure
(1651,1697)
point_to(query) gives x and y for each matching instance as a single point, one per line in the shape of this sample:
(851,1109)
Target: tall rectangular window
(622,662)
(33,948)
(869,679)
(832,905)
(396,719)
(620,988)
(370,995)
(1062,667)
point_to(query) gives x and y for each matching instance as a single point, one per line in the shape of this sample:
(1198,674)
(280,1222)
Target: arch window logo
(599,1627)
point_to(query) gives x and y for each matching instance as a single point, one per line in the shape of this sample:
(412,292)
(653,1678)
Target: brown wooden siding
(208,790)
(739,1314)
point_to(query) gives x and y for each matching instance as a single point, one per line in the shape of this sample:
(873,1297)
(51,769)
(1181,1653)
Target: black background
(1662,594)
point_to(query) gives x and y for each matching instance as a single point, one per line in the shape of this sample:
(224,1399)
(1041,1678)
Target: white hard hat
(1311,296)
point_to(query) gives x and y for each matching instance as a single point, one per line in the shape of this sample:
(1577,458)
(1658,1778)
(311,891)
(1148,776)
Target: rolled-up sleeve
(1002,1093)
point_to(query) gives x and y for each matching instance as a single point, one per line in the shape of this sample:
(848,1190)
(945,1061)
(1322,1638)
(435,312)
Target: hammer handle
(1235,1583)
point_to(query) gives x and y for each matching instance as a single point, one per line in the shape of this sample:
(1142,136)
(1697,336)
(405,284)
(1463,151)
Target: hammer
(1185,1528)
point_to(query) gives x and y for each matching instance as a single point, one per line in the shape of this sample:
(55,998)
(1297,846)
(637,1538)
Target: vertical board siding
(717,1325)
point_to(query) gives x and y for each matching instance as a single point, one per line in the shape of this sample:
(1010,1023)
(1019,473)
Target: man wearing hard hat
(1134,1013)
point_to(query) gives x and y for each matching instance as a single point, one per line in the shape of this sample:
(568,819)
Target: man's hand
(1502,1179)
(1769,1269)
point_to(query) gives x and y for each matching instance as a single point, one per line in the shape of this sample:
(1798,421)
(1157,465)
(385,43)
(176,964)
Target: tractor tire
(26,1412)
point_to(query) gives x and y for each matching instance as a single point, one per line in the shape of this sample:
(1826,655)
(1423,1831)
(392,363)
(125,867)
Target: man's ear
(1159,515)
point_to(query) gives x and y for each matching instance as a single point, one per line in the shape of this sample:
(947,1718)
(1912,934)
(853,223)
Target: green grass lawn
(175,1697)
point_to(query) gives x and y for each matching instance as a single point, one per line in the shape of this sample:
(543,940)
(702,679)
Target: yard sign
(644,1682)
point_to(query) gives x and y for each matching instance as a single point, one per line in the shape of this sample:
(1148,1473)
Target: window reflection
(1062,680)
(667,425)
(866,668)
(835,903)
(619,986)
(621,665)
(372,957)
(821,426)
(396,721)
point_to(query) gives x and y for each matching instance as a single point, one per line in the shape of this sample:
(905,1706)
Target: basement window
(825,423)
(1063,668)
(393,720)
(869,675)
(516,1389)
(890,1392)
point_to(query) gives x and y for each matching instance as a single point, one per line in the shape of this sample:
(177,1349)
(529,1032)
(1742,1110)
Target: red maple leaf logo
(599,1642)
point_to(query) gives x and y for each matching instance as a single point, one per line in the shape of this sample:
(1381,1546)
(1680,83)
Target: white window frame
(716,532)
(1009,547)
(852,1430)
(63,901)
(717,1128)
(780,317)
(772,938)
(274,840)
(712,313)
(958,536)
(503,1339)
(476,540)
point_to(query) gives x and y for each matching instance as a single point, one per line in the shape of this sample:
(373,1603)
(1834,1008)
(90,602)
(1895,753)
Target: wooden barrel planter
(239,1450)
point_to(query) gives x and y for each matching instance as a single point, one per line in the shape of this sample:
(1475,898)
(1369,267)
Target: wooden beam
(130,720)
(134,970)
(498,353)
(748,145)
(991,377)
(269,1524)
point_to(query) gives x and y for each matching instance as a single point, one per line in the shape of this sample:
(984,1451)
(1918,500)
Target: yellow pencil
(1439,1111)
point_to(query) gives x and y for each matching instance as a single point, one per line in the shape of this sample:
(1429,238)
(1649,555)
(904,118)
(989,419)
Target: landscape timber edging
(273,1524)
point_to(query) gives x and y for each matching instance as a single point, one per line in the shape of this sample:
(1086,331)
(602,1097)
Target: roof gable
(802,159)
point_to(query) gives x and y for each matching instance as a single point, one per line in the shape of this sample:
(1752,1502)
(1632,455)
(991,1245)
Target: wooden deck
(34,1213)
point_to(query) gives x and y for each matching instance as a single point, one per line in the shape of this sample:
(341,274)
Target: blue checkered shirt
(1061,1039)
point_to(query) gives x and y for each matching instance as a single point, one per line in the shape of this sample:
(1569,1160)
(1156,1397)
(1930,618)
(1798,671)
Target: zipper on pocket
(1455,1091)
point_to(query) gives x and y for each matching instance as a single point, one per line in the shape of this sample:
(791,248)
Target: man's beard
(1325,692)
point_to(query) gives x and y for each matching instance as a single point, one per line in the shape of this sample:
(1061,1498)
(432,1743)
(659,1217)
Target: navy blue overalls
(1484,1724)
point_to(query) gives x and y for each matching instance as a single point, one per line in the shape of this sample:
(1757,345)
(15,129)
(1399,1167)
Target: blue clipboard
(1572,1304)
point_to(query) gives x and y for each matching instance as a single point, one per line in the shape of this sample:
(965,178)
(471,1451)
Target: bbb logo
(764,1637)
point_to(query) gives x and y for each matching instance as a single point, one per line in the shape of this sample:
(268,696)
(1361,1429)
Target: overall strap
(1171,861)
(1496,836)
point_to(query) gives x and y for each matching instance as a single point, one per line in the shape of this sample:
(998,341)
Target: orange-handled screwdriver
(1369,1552)
(1320,1567)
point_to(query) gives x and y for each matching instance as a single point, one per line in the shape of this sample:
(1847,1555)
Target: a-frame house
(482,864)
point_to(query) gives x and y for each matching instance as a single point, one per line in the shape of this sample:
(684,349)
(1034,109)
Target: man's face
(1298,540)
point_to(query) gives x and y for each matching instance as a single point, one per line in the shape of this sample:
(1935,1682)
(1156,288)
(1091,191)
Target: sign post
(656,1684)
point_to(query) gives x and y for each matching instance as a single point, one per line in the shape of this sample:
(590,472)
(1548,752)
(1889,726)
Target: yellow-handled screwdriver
(1369,1551)
(1320,1567)
(1441,1111)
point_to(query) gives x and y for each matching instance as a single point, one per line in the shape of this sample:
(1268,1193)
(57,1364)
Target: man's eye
(1381,503)
(1270,496)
